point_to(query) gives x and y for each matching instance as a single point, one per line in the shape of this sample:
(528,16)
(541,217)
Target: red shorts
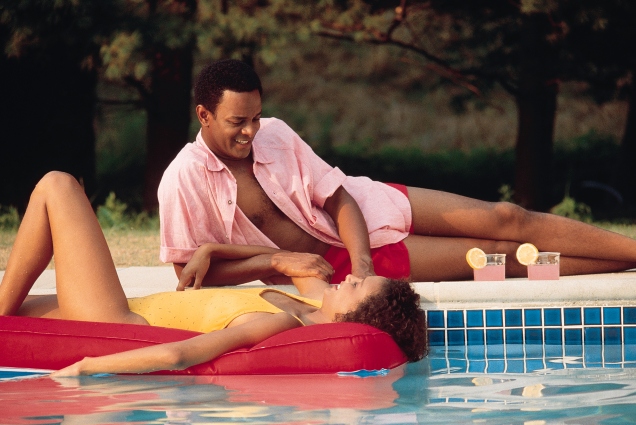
(390,260)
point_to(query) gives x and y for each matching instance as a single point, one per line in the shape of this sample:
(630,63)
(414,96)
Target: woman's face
(343,298)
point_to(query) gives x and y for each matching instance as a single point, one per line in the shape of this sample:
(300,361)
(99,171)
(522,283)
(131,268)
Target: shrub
(9,218)
(114,214)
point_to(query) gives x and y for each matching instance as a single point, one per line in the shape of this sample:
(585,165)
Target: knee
(505,247)
(510,216)
(55,182)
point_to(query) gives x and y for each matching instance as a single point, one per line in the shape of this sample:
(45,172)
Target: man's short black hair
(226,74)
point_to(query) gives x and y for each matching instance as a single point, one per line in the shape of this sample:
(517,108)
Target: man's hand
(299,264)
(195,270)
(363,269)
(352,228)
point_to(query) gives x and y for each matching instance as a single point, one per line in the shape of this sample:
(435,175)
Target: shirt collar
(261,154)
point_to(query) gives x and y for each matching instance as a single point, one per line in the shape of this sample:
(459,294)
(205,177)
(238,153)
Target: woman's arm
(183,354)
(310,287)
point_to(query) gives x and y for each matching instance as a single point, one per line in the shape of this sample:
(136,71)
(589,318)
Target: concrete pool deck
(599,289)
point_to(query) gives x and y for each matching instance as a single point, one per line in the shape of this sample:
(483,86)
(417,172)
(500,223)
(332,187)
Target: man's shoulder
(184,167)
(190,157)
(275,132)
(191,152)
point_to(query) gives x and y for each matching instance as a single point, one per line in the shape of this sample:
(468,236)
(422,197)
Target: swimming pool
(453,385)
(513,353)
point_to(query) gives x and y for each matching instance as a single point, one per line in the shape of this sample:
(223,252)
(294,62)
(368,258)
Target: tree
(601,32)
(525,47)
(57,51)
(48,79)
(154,51)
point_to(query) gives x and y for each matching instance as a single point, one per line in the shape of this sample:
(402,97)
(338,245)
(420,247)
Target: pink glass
(495,268)
(546,267)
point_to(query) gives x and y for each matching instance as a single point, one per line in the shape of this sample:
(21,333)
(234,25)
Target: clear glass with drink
(495,268)
(546,267)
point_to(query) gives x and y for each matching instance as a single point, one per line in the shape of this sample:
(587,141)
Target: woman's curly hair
(396,310)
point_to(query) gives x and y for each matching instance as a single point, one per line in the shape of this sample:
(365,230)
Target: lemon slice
(527,254)
(476,258)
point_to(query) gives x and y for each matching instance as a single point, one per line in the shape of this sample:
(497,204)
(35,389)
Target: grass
(140,247)
(137,247)
(623,229)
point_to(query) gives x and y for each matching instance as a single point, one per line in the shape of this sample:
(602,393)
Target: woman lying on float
(59,220)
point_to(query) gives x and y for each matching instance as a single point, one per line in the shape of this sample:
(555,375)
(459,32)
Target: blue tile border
(533,325)
(522,358)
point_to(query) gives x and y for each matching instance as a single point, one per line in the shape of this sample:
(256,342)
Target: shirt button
(227,237)
(229,201)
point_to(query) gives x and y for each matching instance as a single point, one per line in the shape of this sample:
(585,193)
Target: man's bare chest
(256,205)
(252,199)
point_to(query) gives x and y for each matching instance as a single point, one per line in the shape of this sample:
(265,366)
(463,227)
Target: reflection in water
(200,399)
(444,388)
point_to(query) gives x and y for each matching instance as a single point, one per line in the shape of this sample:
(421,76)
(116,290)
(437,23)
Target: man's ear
(204,116)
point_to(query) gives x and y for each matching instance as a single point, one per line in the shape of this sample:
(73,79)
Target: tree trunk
(626,175)
(169,108)
(536,107)
(46,116)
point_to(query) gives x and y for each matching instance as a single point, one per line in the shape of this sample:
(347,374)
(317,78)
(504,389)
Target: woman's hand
(73,370)
(196,268)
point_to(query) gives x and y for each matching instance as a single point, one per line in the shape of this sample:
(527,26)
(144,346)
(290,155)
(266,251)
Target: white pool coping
(600,289)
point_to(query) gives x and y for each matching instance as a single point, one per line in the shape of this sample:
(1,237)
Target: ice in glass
(495,268)
(546,267)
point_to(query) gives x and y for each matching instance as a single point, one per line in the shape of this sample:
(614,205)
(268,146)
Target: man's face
(229,132)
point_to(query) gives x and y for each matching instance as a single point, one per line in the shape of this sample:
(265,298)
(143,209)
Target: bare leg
(59,220)
(447,225)
(438,258)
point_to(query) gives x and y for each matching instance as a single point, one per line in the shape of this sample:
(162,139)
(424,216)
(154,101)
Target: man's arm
(353,231)
(223,271)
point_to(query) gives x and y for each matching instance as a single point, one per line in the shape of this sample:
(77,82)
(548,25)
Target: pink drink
(490,272)
(543,271)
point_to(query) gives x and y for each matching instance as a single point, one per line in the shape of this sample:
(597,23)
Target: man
(247,180)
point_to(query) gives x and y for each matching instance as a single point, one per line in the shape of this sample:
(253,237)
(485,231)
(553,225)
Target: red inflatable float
(51,344)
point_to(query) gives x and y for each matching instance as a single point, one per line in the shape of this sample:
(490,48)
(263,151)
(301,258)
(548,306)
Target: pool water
(491,384)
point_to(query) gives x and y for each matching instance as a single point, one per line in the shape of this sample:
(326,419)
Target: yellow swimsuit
(205,310)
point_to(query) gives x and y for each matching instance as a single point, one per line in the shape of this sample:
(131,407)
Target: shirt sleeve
(183,211)
(326,179)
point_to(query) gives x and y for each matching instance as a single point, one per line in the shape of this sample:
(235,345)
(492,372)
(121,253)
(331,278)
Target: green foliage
(120,143)
(487,173)
(9,218)
(34,26)
(506,192)
(119,59)
(570,208)
(114,214)
(478,173)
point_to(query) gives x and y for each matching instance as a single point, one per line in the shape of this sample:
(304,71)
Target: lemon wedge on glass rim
(476,258)
(527,254)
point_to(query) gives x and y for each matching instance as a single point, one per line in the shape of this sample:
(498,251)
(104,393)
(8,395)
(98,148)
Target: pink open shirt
(197,196)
